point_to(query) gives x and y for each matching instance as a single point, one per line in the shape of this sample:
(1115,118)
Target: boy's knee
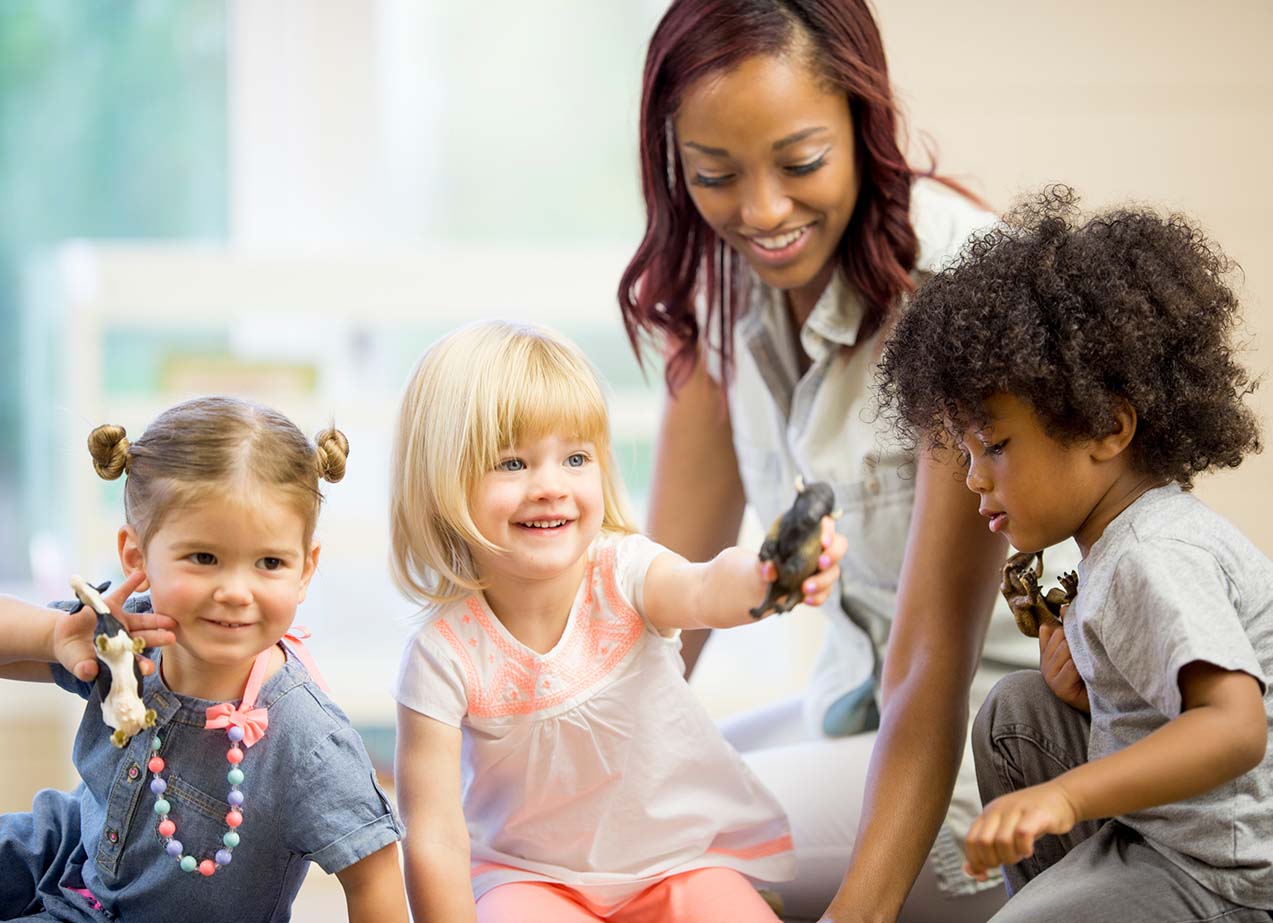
(1011,701)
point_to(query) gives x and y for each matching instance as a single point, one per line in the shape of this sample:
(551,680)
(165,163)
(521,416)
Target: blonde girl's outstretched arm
(695,469)
(436,846)
(373,888)
(718,594)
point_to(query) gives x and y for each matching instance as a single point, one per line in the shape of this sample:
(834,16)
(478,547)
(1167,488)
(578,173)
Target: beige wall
(1160,101)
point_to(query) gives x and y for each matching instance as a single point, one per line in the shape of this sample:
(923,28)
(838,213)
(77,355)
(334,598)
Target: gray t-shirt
(1171,582)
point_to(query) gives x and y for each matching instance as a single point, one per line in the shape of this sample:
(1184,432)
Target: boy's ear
(1112,444)
(132,556)
(308,567)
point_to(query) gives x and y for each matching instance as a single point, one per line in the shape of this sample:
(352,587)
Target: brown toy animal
(1020,587)
(794,544)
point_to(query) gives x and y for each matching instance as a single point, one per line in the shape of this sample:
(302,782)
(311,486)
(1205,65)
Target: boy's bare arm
(1220,734)
(26,636)
(32,637)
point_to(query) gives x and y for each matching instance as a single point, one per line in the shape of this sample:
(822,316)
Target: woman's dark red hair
(679,252)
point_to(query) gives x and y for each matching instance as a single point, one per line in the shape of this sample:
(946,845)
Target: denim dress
(310,796)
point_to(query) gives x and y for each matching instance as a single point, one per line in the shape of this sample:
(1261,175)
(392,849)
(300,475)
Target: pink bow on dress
(254,721)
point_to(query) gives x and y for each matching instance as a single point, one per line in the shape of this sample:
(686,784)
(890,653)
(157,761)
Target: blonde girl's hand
(1058,668)
(1005,832)
(73,631)
(819,587)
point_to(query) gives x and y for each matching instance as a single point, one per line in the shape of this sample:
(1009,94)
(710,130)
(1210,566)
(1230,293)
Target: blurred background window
(113,122)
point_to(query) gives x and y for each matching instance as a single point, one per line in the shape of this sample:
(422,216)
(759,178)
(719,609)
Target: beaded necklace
(244,724)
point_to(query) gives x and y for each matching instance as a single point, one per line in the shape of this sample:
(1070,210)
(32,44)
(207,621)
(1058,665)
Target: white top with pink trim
(592,765)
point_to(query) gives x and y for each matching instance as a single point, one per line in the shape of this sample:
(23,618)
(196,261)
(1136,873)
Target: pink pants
(714,895)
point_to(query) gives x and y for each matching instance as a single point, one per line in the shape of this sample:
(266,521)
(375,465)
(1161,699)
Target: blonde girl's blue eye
(510,464)
(577,460)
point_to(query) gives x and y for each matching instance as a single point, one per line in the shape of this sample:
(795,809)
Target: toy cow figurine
(119,677)
(1029,605)
(794,544)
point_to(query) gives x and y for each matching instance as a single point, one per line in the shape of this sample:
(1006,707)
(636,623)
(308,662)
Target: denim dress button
(112,835)
(133,772)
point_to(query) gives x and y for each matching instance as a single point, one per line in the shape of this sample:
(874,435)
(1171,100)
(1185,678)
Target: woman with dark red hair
(785,230)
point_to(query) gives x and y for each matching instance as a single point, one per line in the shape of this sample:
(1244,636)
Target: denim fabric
(1101,871)
(311,796)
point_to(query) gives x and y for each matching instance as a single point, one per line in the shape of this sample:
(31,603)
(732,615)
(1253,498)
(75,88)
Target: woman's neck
(536,612)
(186,675)
(801,301)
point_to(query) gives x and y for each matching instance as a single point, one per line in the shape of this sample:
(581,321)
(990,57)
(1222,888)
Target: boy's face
(1035,490)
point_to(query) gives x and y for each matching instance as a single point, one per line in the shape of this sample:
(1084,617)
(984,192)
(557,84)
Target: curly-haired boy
(1086,371)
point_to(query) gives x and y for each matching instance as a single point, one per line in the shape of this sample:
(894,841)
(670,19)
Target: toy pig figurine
(119,677)
(794,544)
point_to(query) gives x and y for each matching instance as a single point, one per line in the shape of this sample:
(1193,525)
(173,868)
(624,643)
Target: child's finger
(157,637)
(116,598)
(818,588)
(142,623)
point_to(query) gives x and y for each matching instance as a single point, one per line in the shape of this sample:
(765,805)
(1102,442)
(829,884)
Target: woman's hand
(73,631)
(1005,832)
(1058,667)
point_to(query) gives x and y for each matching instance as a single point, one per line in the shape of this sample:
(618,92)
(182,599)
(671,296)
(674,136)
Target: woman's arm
(696,494)
(1220,734)
(373,888)
(948,583)
(436,846)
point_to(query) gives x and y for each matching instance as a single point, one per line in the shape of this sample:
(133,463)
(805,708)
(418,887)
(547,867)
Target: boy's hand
(1005,832)
(1058,668)
(819,586)
(73,632)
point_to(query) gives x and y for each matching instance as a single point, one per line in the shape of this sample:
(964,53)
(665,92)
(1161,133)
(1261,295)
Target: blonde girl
(250,772)
(552,763)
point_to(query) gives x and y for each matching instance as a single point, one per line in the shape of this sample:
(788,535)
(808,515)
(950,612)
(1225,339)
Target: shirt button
(112,835)
(133,772)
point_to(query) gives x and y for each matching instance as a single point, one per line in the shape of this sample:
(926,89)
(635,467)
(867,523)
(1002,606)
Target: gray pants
(1099,871)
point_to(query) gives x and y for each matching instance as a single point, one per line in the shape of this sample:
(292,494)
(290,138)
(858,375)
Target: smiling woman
(785,228)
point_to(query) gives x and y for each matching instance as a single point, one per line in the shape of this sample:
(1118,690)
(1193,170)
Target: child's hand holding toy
(73,632)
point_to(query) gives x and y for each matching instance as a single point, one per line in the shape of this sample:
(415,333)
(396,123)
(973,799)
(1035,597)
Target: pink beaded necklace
(244,724)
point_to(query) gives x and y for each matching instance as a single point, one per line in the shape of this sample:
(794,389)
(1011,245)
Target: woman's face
(768,154)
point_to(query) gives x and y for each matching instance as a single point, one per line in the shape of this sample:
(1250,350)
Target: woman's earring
(671,158)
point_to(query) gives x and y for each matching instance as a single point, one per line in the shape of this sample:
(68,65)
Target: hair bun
(333,449)
(109,449)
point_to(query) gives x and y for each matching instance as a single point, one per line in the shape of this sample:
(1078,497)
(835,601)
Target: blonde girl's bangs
(477,393)
(546,389)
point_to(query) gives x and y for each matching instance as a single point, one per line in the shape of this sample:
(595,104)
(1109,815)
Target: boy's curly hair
(1070,316)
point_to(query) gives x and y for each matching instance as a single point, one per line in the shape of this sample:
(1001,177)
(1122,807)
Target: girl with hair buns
(250,772)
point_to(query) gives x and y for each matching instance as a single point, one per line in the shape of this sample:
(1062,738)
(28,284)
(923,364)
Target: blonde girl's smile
(541,506)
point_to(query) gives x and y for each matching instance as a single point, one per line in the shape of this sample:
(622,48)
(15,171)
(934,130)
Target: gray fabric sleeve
(1171,604)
